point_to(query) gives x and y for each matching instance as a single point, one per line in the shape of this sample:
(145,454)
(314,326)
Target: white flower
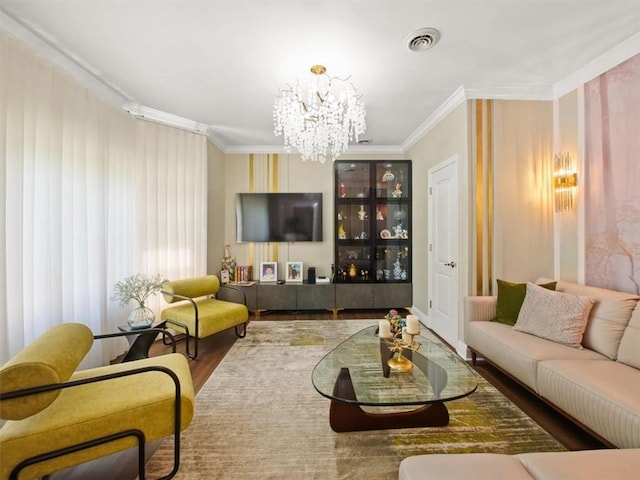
(137,287)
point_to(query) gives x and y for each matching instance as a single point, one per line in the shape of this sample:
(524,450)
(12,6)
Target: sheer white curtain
(88,195)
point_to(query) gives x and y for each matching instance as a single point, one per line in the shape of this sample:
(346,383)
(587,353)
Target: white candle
(413,325)
(384,329)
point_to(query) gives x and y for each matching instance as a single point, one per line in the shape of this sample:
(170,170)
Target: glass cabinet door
(372,221)
(392,263)
(392,221)
(354,263)
(353,180)
(354,221)
(392,180)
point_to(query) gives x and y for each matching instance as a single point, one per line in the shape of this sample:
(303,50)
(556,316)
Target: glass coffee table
(355,374)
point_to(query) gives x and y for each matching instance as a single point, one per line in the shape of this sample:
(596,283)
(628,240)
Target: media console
(328,296)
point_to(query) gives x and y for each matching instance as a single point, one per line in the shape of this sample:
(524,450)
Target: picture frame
(295,274)
(224,277)
(268,272)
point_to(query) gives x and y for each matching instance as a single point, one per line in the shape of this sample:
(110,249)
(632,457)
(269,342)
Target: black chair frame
(115,436)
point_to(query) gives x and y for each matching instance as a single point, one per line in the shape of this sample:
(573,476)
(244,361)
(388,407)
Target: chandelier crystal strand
(321,125)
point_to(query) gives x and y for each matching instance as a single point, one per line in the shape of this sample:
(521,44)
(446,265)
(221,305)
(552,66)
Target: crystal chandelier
(321,123)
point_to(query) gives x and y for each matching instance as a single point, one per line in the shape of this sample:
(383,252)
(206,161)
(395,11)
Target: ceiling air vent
(422,39)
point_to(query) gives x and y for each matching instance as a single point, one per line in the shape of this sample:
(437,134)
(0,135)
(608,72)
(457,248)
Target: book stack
(243,273)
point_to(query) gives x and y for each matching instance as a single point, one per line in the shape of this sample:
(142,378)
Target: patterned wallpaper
(612,178)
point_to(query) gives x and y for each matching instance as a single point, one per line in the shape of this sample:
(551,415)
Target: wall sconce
(565,181)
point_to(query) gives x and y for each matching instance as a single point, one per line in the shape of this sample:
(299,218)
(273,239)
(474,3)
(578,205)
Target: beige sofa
(583,465)
(597,386)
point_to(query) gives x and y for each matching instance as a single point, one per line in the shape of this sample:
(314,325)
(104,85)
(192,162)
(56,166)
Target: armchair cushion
(50,358)
(191,287)
(215,316)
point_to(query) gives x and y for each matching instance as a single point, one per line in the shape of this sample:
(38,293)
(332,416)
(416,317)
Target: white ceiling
(221,63)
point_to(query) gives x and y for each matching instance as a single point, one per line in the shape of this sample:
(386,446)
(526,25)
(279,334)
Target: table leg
(349,417)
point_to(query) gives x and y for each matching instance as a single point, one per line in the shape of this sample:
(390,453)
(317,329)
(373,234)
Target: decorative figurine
(343,190)
(397,193)
(362,215)
(342,234)
(353,271)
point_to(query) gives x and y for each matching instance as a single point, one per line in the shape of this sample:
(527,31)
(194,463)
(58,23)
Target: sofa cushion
(518,353)
(596,464)
(629,351)
(476,466)
(510,298)
(608,317)
(559,317)
(50,358)
(604,395)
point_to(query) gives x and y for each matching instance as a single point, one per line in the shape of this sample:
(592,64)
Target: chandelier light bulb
(321,123)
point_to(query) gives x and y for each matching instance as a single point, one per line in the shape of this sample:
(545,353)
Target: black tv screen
(279,217)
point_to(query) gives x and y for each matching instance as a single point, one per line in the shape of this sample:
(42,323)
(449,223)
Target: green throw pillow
(510,298)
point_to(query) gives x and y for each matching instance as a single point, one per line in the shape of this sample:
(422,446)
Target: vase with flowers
(138,287)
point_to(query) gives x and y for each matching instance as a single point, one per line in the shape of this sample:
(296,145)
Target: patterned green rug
(259,417)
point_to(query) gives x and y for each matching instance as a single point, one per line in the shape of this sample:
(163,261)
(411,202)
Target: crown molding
(448,106)
(603,63)
(521,92)
(259,149)
(280,149)
(46,45)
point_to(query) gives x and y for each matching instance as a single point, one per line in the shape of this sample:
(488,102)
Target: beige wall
(216,235)
(567,251)
(447,139)
(523,202)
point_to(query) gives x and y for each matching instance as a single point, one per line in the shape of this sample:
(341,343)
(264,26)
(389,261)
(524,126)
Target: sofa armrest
(479,308)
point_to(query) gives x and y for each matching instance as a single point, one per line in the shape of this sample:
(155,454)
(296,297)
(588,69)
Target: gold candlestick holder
(398,343)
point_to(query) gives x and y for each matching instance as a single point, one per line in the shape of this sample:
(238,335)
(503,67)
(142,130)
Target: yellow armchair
(198,313)
(57,417)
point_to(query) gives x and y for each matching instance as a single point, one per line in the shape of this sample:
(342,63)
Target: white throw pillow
(559,317)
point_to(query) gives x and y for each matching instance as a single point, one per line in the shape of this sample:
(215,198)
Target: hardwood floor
(214,348)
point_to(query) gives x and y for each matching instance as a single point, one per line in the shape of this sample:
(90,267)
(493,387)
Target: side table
(139,344)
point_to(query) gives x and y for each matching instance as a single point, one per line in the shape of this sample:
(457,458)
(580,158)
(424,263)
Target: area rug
(259,417)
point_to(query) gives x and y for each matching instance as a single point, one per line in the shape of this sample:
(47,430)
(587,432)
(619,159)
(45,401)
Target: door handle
(451,264)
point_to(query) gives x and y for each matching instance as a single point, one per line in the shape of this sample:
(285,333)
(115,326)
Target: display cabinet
(372,221)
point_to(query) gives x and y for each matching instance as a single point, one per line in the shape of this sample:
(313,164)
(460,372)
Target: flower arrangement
(228,263)
(137,287)
(396,321)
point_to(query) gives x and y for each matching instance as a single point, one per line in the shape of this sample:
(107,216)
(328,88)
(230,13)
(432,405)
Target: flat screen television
(279,217)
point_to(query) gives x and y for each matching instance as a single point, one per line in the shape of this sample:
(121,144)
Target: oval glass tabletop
(438,375)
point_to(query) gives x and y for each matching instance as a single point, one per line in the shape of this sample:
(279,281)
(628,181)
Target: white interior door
(443,250)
